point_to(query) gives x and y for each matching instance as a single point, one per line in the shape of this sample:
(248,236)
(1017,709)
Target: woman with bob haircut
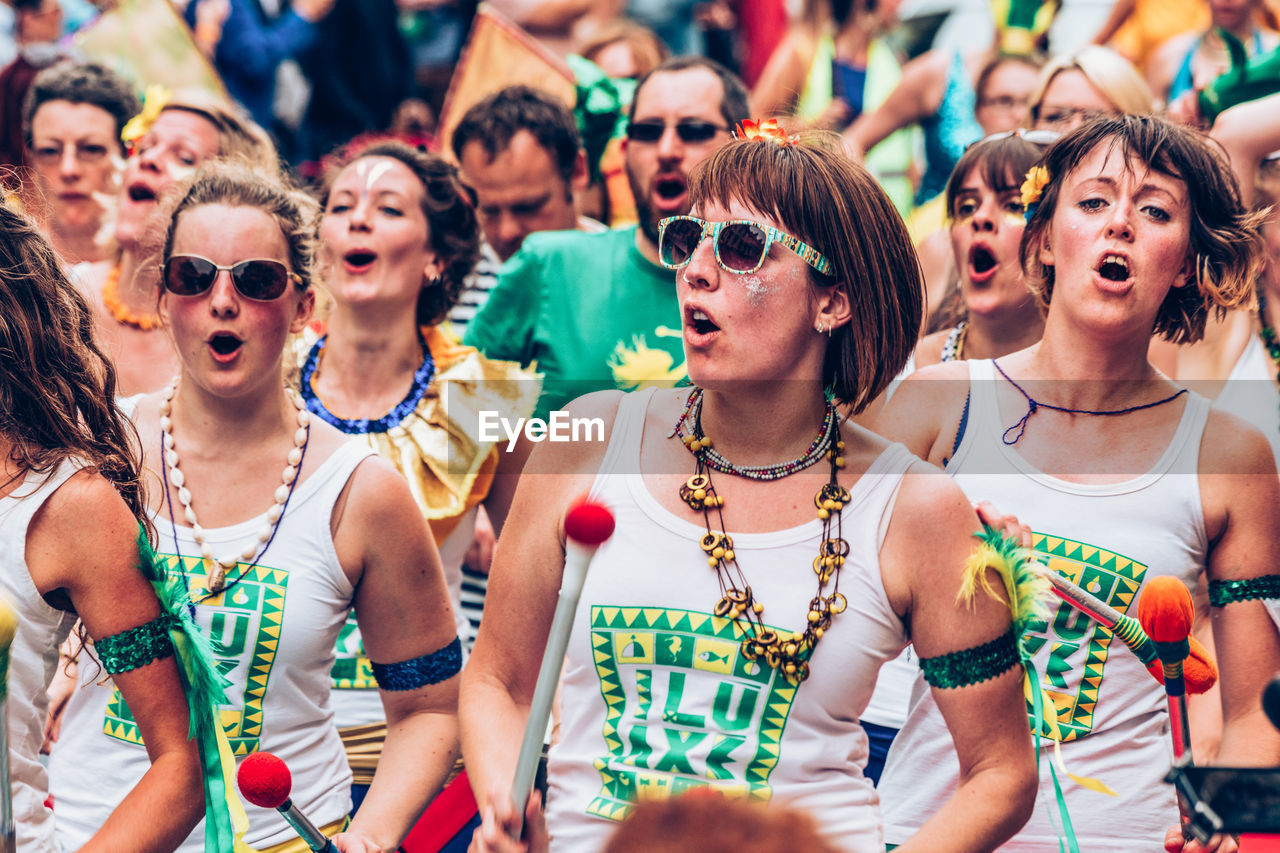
(1092,82)
(998,314)
(730,631)
(1136,228)
(70,508)
(167,141)
(286,525)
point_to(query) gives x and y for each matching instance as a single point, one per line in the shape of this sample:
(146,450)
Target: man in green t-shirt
(597,311)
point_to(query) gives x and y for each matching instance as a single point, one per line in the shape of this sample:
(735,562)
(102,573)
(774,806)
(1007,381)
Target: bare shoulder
(1233,446)
(930,503)
(588,421)
(85,522)
(931,393)
(929,350)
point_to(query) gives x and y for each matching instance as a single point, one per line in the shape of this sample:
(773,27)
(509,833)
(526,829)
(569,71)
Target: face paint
(371,171)
(757,290)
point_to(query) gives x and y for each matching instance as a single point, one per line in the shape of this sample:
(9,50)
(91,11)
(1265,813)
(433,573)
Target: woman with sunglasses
(167,140)
(1136,225)
(998,314)
(70,508)
(225,441)
(730,631)
(398,239)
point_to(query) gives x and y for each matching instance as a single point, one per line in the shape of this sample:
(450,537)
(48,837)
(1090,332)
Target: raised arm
(82,545)
(929,540)
(918,94)
(1248,133)
(501,675)
(402,607)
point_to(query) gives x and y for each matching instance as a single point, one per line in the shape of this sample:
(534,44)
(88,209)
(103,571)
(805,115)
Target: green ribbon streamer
(1246,80)
(600,109)
(205,688)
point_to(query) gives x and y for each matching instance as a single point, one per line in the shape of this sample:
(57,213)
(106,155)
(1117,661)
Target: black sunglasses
(688,131)
(259,279)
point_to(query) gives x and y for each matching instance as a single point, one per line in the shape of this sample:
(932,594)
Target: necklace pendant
(217,579)
(698,494)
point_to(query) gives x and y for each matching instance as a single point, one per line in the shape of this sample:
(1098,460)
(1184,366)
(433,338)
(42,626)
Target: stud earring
(821,328)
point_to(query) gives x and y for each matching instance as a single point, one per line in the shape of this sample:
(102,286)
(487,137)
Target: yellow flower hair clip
(1033,187)
(153,103)
(765,130)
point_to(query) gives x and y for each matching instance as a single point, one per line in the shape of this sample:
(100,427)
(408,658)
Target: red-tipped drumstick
(265,781)
(586,527)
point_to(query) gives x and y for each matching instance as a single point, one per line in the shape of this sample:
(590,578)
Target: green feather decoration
(1026,584)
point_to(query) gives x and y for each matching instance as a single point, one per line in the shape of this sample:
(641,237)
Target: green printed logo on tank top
(351,668)
(244,622)
(658,667)
(1078,646)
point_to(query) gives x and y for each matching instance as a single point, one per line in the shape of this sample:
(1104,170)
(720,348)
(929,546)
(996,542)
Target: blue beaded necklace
(360,426)
(1033,405)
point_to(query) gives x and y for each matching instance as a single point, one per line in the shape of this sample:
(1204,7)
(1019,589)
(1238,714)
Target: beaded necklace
(1033,405)
(788,653)
(360,426)
(693,415)
(118,310)
(953,347)
(216,567)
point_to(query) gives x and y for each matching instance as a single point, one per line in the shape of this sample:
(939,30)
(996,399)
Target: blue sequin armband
(136,647)
(418,672)
(1222,593)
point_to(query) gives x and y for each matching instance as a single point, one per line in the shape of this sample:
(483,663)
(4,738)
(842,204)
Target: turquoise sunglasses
(740,244)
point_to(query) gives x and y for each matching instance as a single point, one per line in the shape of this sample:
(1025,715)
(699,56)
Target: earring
(820,328)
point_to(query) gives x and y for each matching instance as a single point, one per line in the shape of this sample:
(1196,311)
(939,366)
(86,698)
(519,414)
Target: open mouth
(224,343)
(981,261)
(669,189)
(702,324)
(141,192)
(359,258)
(1114,268)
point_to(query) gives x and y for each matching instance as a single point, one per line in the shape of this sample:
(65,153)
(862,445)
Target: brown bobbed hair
(706,822)
(1003,160)
(817,194)
(57,386)
(453,230)
(1225,240)
(236,184)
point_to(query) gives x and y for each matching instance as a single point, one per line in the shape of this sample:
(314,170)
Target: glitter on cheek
(756,289)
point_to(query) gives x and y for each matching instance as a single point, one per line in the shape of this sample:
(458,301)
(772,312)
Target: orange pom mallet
(1166,612)
(1199,670)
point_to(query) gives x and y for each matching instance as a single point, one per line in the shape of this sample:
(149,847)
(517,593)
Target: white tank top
(277,622)
(32,658)
(656,698)
(1109,539)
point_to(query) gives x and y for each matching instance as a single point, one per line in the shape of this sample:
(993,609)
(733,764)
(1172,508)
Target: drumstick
(1199,672)
(8,628)
(586,527)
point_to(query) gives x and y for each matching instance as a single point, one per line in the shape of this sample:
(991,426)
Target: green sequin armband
(971,666)
(137,646)
(1222,593)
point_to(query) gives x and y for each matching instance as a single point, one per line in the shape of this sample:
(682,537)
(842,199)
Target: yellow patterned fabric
(438,448)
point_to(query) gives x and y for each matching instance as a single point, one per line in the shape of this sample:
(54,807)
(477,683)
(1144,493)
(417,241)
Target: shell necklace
(216,567)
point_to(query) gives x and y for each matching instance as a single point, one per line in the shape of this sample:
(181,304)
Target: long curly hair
(57,387)
(452,225)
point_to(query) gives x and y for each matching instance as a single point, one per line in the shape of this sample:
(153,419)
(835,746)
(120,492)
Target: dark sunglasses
(259,279)
(740,245)
(688,131)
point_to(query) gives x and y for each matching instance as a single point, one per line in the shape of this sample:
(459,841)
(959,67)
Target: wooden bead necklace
(788,653)
(118,310)
(217,566)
